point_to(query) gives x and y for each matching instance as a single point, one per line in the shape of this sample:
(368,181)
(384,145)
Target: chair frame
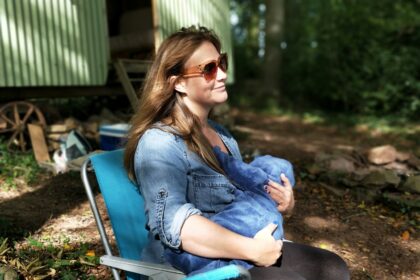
(152,270)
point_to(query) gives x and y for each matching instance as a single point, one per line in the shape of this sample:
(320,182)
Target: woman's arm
(202,237)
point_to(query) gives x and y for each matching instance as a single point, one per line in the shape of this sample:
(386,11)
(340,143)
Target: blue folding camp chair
(125,209)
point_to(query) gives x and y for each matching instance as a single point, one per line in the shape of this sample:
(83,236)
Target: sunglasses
(208,69)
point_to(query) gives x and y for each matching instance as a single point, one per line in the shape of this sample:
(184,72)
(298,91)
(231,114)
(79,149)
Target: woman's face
(202,95)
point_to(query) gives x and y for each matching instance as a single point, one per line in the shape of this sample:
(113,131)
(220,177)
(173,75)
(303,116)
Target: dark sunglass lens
(223,62)
(209,70)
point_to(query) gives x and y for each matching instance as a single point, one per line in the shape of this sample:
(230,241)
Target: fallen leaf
(90,253)
(405,235)
(323,246)
(67,247)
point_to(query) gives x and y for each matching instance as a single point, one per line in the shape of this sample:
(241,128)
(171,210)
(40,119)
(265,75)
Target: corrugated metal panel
(169,16)
(53,43)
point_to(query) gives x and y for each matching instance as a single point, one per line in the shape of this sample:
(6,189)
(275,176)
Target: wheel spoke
(12,138)
(7,130)
(4,117)
(22,141)
(26,117)
(16,112)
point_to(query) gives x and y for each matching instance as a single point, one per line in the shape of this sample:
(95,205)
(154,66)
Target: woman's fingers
(282,194)
(266,249)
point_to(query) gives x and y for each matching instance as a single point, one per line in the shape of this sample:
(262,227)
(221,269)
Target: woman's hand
(266,249)
(283,195)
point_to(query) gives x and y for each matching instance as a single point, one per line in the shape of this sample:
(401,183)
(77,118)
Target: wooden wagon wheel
(14,117)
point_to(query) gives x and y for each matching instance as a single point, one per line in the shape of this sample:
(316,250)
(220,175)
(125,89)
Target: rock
(401,168)
(414,162)
(412,184)
(382,154)
(381,179)
(334,163)
(349,182)
(7,273)
(403,156)
(335,190)
(314,169)
(399,200)
(340,164)
(360,174)
(366,194)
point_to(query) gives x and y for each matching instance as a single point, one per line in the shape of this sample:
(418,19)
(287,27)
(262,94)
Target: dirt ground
(371,238)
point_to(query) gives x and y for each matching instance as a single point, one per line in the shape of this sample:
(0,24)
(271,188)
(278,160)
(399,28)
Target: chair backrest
(123,201)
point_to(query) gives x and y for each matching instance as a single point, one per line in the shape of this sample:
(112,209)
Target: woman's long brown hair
(159,101)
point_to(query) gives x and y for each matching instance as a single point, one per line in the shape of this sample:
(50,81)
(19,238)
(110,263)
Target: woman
(169,154)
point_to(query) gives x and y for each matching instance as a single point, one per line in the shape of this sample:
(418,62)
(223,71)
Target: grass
(17,168)
(40,259)
(30,257)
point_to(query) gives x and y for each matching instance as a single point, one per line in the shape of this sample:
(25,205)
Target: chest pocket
(212,192)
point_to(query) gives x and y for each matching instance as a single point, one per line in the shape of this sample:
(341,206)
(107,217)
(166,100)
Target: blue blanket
(252,209)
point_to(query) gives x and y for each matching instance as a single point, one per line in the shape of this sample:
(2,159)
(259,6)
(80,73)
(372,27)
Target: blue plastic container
(113,136)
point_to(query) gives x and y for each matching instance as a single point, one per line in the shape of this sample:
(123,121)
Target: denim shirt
(176,183)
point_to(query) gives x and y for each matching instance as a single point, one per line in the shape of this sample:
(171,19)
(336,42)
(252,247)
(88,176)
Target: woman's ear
(179,83)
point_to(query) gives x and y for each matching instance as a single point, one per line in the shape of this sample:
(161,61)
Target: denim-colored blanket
(251,211)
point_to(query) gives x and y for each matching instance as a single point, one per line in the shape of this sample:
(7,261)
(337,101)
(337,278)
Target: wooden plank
(39,145)
(126,83)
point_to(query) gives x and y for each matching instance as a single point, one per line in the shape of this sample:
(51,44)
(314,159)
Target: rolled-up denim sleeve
(161,170)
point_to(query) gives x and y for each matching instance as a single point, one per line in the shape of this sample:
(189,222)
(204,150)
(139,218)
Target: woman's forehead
(203,53)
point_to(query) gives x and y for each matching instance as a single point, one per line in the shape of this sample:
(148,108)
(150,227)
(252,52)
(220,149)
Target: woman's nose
(221,75)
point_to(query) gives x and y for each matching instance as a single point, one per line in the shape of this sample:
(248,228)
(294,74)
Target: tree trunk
(274,31)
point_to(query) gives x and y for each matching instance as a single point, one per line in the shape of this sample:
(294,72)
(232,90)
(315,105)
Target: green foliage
(38,259)
(245,33)
(355,56)
(16,168)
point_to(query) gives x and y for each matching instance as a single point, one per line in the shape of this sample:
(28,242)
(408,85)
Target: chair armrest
(139,267)
(227,272)
(156,270)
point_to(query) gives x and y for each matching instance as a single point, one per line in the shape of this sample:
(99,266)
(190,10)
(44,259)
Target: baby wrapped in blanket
(252,210)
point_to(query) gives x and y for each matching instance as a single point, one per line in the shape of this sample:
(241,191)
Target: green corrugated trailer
(72,43)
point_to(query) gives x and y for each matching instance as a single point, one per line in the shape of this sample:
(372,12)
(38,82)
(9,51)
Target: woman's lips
(220,88)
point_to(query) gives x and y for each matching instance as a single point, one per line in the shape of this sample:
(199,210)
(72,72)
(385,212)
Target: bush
(360,57)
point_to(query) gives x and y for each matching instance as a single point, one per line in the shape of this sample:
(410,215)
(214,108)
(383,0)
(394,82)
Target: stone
(403,156)
(335,190)
(398,200)
(414,162)
(366,194)
(412,184)
(382,154)
(314,169)
(341,164)
(397,166)
(381,179)
(359,174)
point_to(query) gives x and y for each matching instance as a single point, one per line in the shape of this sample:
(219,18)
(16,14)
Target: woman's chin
(220,97)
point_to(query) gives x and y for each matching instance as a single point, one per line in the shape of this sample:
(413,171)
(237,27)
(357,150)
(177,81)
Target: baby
(251,211)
